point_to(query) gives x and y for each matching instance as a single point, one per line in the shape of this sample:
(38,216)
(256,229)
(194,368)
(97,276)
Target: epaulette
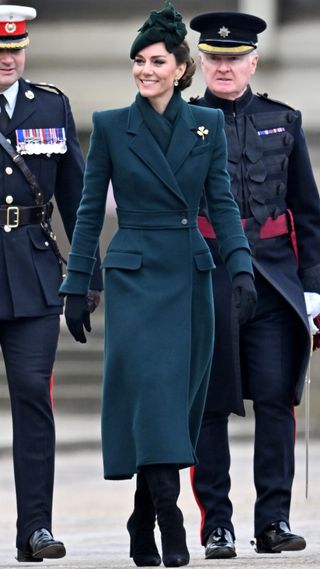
(266,97)
(193,100)
(46,86)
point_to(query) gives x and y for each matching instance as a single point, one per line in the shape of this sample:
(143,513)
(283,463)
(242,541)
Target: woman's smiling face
(155,71)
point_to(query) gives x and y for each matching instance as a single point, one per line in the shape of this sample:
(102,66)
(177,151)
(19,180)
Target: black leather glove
(77,316)
(93,299)
(244,296)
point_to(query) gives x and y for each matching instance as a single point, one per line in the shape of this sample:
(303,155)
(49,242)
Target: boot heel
(147,559)
(143,547)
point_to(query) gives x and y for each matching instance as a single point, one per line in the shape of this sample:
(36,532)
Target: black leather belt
(13,216)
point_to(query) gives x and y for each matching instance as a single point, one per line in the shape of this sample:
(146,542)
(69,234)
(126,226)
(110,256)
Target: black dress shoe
(277,537)
(42,545)
(220,544)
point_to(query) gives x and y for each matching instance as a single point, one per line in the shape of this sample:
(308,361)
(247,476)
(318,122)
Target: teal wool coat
(158,292)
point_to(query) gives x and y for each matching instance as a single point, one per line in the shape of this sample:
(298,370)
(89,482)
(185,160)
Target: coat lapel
(148,150)
(24,106)
(183,139)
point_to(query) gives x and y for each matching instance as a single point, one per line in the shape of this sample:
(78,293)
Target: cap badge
(29,95)
(10,27)
(224,32)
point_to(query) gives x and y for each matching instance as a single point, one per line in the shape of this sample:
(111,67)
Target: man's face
(11,67)
(227,77)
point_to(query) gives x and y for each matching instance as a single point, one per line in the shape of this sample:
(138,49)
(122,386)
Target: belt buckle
(15,211)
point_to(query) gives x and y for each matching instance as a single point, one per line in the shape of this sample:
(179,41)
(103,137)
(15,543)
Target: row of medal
(268,131)
(41,141)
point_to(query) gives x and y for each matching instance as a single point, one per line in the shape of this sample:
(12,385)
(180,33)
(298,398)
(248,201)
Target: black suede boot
(141,525)
(164,486)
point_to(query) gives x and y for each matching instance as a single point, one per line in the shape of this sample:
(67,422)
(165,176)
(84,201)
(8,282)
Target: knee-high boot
(164,485)
(141,525)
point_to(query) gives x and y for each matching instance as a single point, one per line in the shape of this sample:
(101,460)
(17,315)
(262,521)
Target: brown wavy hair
(182,55)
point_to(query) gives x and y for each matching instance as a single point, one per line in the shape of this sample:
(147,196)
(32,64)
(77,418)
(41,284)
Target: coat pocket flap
(204,261)
(38,238)
(119,260)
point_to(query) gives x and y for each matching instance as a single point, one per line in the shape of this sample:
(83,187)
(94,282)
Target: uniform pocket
(47,266)
(204,261)
(122,260)
(38,239)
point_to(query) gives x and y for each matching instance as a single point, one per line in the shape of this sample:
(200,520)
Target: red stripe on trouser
(201,508)
(51,390)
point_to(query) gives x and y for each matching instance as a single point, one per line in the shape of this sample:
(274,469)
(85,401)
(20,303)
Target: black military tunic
(273,183)
(270,173)
(30,276)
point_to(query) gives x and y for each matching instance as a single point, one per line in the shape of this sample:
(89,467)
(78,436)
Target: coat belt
(14,216)
(271,227)
(179,219)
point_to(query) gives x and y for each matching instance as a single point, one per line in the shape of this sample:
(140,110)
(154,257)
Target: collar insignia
(29,94)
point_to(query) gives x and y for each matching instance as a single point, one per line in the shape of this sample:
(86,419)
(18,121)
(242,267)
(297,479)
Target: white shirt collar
(11,96)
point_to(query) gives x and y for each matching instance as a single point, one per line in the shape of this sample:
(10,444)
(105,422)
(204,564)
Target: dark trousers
(267,348)
(29,346)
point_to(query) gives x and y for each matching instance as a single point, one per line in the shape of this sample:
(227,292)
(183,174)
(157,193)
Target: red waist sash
(271,227)
(284,224)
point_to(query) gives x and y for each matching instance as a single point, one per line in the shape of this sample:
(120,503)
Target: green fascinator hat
(164,26)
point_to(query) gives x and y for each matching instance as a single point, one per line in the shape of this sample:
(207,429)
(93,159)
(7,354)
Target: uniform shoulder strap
(46,86)
(266,97)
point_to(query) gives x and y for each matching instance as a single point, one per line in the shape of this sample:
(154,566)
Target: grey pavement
(90,513)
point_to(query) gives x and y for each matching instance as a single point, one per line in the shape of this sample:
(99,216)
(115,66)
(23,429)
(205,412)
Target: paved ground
(90,513)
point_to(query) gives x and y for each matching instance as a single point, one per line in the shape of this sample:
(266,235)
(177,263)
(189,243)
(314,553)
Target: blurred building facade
(83,48)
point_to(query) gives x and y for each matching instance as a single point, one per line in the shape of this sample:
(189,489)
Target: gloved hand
(244,296)
(77,316)
(93,299)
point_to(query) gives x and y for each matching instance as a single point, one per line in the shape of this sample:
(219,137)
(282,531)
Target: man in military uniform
(266,359)
(37,129)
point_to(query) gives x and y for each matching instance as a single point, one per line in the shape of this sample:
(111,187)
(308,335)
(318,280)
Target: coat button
(9,199)
(46,243)
(8,170)
(184,221)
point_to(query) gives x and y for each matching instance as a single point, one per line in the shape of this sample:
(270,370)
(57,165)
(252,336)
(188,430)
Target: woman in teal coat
(162,156)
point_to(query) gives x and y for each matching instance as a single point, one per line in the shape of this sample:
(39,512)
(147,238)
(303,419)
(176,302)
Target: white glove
(312,300)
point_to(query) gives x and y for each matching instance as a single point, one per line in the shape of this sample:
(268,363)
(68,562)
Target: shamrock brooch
(202,131)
